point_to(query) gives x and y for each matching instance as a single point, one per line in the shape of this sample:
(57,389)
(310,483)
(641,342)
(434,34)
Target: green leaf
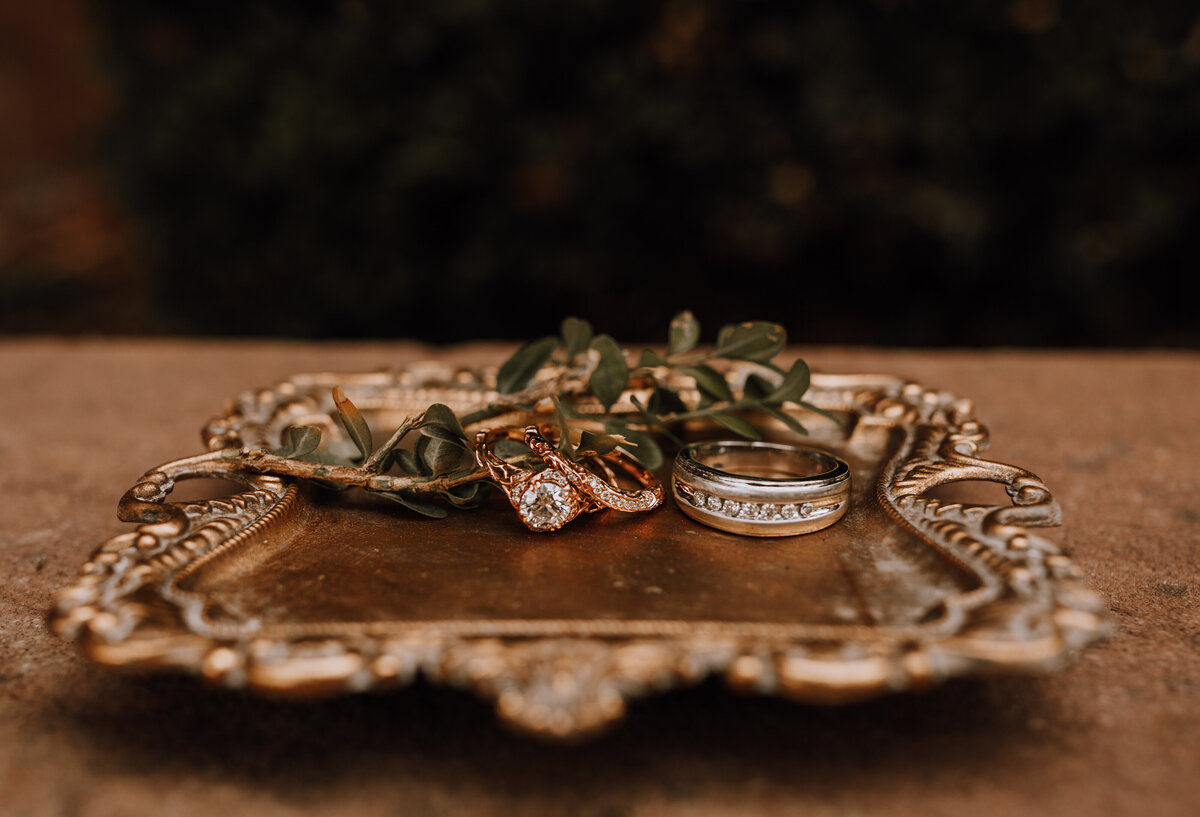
(709,381)
(564,432)
(386,462)
(441,423)
(785,418)
(592,443)
(665,401)
(652,420)
(439,456)
(339,452)
(683,334)
(439,414)
(818,410)
(352,420)
(519,369)
(642,447)
(329,486)
(738,425)
(757,387)
(470,495)
(445,435)
(408,462)
(576,333)
(322,457)
(651,359)
(568,410)
(754,340)
(302,440)
(511,450)
(413,504)
(611,372)
(794,385)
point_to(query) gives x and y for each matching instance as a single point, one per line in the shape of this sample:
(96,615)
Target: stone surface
(547,502)
(1117,732)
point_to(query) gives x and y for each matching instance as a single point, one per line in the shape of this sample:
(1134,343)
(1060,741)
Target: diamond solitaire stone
(547,502)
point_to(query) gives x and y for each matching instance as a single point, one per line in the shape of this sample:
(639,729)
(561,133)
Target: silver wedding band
(760,489)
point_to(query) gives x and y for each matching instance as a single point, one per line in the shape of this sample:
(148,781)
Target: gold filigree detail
(131,605)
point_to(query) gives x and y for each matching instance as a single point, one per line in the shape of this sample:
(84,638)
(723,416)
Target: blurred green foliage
(876,172)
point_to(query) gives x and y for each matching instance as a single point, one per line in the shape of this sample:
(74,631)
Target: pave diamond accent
(758,511)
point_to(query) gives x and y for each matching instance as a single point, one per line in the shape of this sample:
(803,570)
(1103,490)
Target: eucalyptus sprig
(557,374)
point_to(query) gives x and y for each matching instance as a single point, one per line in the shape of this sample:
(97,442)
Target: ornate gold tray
(289,590)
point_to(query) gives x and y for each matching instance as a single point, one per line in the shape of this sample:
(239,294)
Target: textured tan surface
(1116,436)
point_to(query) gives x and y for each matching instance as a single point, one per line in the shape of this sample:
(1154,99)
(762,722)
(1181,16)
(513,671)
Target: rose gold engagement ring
(550,498)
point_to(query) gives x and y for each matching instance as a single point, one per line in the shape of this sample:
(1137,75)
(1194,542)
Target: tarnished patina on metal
(289,590)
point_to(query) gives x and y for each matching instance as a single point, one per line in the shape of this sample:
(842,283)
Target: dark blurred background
(901,173)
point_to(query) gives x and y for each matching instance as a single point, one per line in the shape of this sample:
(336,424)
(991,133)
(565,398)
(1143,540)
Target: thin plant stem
(264,462)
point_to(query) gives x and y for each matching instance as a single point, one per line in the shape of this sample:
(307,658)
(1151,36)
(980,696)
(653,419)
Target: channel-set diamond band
(761,489)
(548,499)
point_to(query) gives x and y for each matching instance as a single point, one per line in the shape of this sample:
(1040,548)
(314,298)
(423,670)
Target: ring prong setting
(546,501)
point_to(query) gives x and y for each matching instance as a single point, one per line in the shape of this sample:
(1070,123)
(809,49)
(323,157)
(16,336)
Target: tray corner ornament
(148,599)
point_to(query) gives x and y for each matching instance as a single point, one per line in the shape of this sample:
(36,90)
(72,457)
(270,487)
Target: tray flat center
(350,558)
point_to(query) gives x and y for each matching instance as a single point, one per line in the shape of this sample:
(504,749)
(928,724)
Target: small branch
(488,411)
(262,462)
(708,411)
(689,359)
(653,422)
(373,464)
(560,385)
